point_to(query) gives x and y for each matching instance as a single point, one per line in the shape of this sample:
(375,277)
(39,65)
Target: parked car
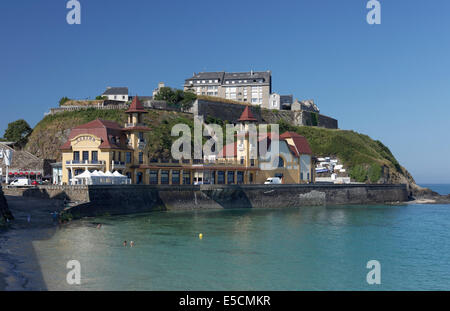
(273,181)
(36,182)
(21,182)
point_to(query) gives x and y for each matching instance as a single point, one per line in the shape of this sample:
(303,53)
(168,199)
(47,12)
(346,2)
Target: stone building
(252,87)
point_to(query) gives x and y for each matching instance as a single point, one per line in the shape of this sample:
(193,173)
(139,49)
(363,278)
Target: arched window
(280,162)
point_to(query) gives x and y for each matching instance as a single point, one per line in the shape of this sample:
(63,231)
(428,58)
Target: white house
(117,93)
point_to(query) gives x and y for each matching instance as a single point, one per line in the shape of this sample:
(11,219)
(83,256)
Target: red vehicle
(36,183)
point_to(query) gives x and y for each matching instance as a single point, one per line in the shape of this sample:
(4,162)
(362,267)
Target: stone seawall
(115,200)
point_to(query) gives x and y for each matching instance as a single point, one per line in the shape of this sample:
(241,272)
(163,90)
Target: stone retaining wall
(115,200)
(232,112)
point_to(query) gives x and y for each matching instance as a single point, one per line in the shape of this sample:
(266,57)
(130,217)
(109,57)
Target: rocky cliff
(5,213)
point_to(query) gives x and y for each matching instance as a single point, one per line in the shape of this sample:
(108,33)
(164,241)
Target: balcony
(117,165)
(129,125)
(85,163)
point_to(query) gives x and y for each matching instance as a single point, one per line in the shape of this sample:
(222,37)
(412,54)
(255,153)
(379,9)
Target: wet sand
(19,266)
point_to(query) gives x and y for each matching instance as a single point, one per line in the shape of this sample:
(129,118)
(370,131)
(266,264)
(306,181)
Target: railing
(128,125)
(85,162)
(117,164)
(221,162)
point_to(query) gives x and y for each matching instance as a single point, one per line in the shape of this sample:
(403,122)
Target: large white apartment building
(252,87)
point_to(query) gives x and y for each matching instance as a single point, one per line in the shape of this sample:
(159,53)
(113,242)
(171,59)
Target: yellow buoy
(200,236)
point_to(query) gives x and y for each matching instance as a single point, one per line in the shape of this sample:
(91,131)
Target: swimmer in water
(99,226)
(125,243)
(131,243)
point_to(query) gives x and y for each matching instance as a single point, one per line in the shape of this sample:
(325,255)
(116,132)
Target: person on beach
(125,243)
(131,243)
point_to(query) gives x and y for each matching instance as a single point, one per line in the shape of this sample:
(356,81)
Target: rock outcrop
(5,213)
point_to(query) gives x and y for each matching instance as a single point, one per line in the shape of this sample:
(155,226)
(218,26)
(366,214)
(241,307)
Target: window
(175,177)
(123,97)
(154,177)
(280,162)
(139,178)
(94,156)
(221,177)
(141,158)
(186,178)
(251,177)
(230,177)
(230,93)
(113,155)
(128,157)
(85,156)
(76,156)
(240,177)
(141,137)
(242,160)
(164,177)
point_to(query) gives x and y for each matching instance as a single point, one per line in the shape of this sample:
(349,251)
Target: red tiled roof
(136,106)
(300,142)
(247,115)
(111,134)
(229,150)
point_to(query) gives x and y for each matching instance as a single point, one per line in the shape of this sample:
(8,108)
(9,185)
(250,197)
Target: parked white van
(273,181)
(21,182)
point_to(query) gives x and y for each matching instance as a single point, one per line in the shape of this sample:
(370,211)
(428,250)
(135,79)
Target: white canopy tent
(100,178)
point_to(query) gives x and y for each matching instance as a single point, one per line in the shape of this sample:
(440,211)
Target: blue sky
(389,81)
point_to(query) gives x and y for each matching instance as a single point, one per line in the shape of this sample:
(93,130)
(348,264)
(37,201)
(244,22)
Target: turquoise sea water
(317,248)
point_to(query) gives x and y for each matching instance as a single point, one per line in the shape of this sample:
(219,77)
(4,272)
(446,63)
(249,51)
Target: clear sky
(389,81)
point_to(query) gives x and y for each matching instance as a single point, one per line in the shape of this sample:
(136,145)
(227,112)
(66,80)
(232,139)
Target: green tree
(18,131)
(314,119)
(100,97)
(63,100)
(176,98)
(188,99)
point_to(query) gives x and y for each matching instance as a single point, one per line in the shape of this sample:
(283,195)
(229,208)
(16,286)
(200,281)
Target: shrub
(359,173)
(374,173)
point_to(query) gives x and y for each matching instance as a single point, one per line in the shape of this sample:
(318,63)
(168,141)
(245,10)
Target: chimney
(251,72)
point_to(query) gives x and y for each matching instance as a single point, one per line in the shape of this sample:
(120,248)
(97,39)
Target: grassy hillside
(52,131)
(367,160)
